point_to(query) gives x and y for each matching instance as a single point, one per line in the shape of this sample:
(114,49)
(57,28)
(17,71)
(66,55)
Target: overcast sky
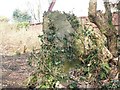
(79,7)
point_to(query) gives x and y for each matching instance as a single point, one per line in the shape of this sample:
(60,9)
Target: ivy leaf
(105,67)
(73,85)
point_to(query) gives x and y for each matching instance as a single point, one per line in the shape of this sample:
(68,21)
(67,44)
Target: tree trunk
(104,23)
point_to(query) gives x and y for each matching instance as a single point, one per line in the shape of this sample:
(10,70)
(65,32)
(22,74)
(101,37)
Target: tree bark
(104,23)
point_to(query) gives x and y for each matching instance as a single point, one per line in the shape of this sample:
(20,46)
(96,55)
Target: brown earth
(15,70)
(15,48)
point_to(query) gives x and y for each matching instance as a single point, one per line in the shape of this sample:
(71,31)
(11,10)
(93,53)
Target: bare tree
(104,23)
(35,10)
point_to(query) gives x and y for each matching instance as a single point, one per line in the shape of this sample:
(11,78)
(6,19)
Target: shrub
(24,25)
(61,60)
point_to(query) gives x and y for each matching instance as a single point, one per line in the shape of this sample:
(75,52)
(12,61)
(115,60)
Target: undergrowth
(58,61)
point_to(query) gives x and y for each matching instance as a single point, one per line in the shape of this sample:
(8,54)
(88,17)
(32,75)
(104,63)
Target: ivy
(59,59)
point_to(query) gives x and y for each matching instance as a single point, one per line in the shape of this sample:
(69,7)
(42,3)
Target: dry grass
(13,41)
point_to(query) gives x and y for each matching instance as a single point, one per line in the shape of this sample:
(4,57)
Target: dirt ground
(15,70)
(15,48)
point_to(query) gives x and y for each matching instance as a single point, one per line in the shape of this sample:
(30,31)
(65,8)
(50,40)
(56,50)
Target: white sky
(79,7)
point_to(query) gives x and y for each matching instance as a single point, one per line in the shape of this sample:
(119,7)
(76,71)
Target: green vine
(60,60)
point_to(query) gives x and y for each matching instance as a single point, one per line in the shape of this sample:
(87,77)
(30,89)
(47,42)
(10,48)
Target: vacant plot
(15,41)
(15,46)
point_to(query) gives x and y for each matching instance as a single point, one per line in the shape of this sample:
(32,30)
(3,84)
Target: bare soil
(15,48)
(15,70)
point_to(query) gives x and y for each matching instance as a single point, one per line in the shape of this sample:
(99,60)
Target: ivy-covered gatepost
(69,54)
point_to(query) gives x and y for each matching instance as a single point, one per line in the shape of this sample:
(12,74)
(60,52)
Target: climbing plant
(60,60)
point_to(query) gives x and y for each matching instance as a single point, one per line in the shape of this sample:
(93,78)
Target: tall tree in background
(35,10)
(20,16)
(104,23)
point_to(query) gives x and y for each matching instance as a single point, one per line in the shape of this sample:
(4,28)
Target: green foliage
(73,20)
(59,60)
(20,16)
(50,61)
(104,70)
(73,85)
(113,84)
(53,58)
(86,31)
(23,25)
